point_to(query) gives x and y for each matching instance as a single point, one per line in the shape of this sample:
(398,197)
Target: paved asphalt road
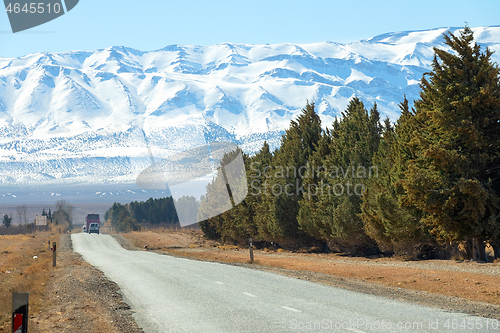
(171,294)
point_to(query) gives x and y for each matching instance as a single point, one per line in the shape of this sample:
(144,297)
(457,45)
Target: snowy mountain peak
(114,102)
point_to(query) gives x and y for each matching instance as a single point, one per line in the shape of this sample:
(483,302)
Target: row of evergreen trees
(430,180)
(129,217)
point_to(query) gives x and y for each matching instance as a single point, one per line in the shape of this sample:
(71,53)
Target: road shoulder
(79,298)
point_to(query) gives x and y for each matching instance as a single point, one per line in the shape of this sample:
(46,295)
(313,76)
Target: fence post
(54,255)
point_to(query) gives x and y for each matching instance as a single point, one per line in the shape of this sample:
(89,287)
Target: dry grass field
(25,265)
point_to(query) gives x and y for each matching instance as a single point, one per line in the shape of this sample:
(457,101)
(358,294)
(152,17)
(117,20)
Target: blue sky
(153,24)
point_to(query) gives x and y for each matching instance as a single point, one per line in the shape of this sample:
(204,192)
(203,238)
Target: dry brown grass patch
(21,272)
(227,247)
(167,239)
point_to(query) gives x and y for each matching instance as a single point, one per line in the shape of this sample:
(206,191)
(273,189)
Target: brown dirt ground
(454,285)
(24,267)
(79,298)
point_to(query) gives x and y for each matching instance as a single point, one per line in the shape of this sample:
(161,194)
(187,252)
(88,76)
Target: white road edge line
(248,294)
(219,282)
(291,309)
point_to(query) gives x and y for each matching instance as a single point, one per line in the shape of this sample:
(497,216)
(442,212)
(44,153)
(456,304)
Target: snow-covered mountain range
(89,116)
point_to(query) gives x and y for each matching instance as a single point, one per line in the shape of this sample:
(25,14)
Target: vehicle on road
(94,228)
(92,223)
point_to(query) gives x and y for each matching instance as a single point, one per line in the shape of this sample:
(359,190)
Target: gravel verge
(79,298)
(452,265)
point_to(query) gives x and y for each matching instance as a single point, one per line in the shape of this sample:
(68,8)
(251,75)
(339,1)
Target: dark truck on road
(92,223)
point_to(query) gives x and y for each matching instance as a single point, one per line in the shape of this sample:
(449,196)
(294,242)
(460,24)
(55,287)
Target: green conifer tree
(280,204)
(330,209)
(7,220)
(456,142)
(394,228)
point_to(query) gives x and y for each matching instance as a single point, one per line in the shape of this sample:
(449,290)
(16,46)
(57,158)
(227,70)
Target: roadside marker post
(54,255)
(20,303)
(251,250)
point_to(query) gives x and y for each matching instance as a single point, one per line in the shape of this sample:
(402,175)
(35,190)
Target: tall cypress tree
(392,226)
(257,168)
(456,142)
(331,211)
(279,206)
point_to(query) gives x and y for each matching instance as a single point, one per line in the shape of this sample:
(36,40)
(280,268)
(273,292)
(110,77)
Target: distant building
(41,220)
